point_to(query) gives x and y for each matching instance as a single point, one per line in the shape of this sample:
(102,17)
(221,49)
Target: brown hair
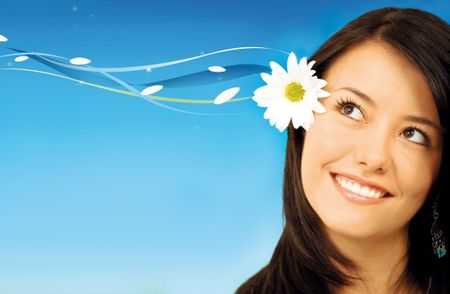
(304,260)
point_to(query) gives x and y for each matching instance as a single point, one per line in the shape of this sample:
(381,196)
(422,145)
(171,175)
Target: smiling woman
(361,186)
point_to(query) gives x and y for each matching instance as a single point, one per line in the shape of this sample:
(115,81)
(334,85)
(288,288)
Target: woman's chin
(351,231)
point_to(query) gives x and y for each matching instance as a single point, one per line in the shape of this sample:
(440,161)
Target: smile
(358,192)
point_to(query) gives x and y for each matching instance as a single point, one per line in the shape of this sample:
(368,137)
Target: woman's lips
(355,197)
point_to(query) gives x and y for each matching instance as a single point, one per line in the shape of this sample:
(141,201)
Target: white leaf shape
(216,68)
(21,58)
(151,90)
(3,38)
(80,61)
(226,95)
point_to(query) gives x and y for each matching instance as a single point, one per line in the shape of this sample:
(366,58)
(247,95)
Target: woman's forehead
(383,74)
(378,65)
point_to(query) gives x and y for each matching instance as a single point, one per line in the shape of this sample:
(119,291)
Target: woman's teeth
(356,188)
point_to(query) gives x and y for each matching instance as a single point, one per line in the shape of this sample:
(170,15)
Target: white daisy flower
(292,94)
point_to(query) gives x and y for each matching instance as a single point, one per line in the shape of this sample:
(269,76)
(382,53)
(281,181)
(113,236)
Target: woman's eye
(351,110)
(417,136)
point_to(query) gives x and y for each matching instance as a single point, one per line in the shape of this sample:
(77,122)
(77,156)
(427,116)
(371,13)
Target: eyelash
(344,101)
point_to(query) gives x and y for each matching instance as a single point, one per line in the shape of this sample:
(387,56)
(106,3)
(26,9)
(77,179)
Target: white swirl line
(157,65)
(33,53)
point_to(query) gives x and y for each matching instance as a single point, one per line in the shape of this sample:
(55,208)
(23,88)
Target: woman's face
(374,144)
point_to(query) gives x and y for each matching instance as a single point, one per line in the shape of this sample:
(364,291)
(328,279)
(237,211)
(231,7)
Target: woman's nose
(373,148)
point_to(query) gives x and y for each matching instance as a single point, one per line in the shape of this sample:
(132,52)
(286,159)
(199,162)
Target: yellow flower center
(294,92)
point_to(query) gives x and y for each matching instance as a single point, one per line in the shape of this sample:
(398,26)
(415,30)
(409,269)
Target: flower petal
(318,107)
(21,58)
(261,91)
(298,116)
(216,68)
(272,121)
(284,120)
(268,113)
(273,111)
(226,95)
(80,61)
(278,72)
(309,98)
(292,63)
(268,93)
(266,78)
(151,90)
(265,102)
(309,117)
(321,83)
(273,80)
(302,63)
(264,91)
(283,126)
(321,93)
(306,126)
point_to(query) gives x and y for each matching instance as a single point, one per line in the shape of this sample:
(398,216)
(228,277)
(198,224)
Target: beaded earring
(437,235)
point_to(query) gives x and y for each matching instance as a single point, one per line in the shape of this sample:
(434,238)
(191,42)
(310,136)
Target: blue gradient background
(107,193)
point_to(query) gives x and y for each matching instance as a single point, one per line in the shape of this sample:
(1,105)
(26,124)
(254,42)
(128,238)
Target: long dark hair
(304,260)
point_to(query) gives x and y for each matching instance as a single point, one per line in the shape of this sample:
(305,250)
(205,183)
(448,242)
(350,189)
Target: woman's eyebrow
(416,119)
(425,121)
(360,94)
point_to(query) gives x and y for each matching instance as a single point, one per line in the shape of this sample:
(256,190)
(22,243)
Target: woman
(366,188)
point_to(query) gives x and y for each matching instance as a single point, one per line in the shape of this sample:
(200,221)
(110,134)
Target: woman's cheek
(334,133)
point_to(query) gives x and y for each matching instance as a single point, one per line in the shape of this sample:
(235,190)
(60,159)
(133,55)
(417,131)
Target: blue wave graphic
(102,77)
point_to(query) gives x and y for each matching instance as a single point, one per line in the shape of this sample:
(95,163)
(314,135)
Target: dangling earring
(437,235)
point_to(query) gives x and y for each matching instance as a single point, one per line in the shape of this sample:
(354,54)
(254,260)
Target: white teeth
(356,188)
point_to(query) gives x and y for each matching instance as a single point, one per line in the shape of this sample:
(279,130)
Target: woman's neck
(381,261)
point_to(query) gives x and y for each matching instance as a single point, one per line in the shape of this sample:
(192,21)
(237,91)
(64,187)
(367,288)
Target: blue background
(107,193)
